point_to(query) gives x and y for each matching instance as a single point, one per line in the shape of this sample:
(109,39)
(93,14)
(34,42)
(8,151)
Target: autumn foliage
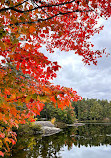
(25,26)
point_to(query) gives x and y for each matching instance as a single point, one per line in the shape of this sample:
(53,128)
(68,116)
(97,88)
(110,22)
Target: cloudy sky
(89,81)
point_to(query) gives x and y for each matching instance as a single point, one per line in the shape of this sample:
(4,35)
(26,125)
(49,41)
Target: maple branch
(55,5)
(17,98)
(13,8)
(49,18)
(38,7)
(42,9)
(20,3)
(23,97)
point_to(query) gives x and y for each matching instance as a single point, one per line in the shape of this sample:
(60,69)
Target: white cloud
(89,81)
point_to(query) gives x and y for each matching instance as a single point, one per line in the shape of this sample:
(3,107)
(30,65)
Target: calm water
(89,141)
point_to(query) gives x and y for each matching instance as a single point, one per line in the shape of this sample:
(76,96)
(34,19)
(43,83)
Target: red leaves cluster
(23,97)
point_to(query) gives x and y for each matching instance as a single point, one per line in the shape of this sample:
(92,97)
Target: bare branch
(13,8)
(49,18)
(42,9)
(39,7)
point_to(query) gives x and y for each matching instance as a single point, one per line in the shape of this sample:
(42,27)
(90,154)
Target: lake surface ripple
(88,141)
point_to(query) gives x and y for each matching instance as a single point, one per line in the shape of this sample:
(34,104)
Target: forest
(91,110)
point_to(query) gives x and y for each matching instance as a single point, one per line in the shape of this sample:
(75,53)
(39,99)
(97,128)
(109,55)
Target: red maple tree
(25,26)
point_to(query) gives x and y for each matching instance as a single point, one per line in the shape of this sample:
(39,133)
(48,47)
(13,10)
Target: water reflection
(86,152)
(71,142)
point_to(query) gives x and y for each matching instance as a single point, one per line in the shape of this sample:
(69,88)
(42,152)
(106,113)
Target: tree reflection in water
(50,147)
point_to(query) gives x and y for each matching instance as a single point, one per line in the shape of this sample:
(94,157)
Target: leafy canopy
(25,26)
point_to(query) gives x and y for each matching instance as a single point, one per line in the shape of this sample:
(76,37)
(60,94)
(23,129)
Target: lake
(88,141)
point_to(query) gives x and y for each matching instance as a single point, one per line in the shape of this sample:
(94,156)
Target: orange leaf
(13,141)
(32,29)
(7,139)
(53,99)
(1,154)
(2,135)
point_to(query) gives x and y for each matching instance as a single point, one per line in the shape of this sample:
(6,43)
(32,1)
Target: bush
(29,129)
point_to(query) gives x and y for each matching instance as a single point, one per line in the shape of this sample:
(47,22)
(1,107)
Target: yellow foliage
(53,120)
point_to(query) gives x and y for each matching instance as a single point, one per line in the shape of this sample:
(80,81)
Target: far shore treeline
(91,110)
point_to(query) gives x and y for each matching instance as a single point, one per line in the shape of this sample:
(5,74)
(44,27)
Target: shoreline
(49,129)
